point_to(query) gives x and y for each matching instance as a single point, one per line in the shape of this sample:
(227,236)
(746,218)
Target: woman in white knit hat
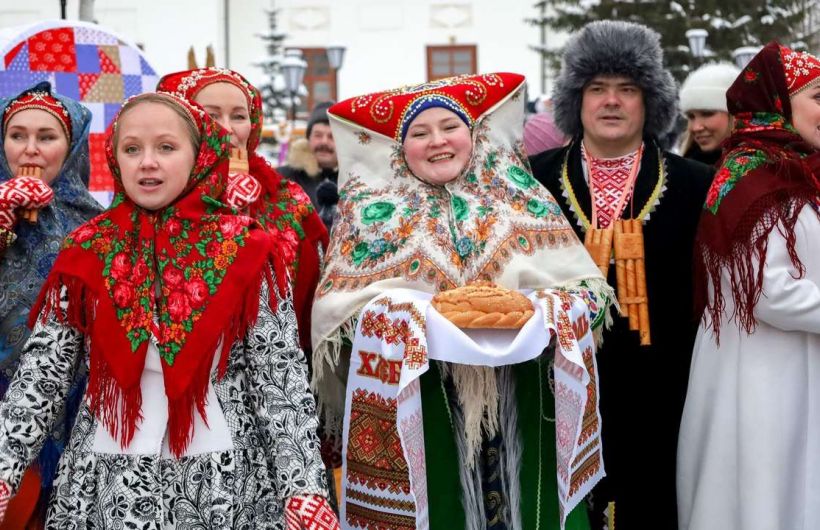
(703,103)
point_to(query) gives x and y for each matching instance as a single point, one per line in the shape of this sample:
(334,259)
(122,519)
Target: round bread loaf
(484,305)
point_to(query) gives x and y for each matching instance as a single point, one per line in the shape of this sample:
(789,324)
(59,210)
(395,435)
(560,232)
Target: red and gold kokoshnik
(387,112)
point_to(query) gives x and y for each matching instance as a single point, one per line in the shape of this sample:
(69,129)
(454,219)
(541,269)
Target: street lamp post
(743,55)
(335,57)
(293,70)
(697,43)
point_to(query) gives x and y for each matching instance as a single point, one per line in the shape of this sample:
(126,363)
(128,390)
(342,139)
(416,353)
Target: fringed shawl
(188,275)
(765,178)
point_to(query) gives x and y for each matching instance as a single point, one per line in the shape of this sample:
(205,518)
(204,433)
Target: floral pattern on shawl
(460,220)
(186,284)
(737,164)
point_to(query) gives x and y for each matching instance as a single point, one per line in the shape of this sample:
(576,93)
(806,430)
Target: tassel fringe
(328,381)
(119,409)
(181,409)
(745,263)
(477,393)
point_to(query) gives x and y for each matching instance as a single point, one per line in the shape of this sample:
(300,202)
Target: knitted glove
(243,190)
(22,192)
(310,512)
(5,497)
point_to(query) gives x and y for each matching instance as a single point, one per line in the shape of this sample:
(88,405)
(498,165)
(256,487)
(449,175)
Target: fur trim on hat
(301,157)
(705,88)
(608,47)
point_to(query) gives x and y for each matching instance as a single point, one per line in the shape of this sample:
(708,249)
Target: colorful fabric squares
(86,63)
(15,82)
(88,59)
(86,82)
(111,110)
(109,59)
(17,58)
(100,178)
(107,88)
(132,85)
(84,35)
(97,116)
(129,60)
(145,67)
(67,85)
(53,50)
(149,83)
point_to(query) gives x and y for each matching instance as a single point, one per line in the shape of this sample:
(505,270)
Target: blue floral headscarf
(28,260)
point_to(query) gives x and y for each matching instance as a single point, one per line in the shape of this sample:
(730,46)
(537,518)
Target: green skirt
(536,428)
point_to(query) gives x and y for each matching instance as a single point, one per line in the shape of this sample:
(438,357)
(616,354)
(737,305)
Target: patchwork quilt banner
(85,62)
(397,335)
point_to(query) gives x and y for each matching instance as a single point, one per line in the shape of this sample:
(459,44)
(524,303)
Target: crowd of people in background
(192,356)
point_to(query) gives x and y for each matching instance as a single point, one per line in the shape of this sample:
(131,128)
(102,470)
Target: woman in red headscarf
(282,208)
(748,450)
(197,412)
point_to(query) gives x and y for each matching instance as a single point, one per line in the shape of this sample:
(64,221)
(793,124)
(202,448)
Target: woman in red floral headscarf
(282,207)
(748,450)
(197,412)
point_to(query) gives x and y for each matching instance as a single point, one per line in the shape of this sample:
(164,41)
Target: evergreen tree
(730,23)
(275,98)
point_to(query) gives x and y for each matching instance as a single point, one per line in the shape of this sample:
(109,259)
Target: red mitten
(310,512)
(243,190)
(22,192)
(5,497)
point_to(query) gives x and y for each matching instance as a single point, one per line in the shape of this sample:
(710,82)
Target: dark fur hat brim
(609,47)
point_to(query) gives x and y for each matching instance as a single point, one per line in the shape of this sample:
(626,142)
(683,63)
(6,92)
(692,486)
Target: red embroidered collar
(611,181)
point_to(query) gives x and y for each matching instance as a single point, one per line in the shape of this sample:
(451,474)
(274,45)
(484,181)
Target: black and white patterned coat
(272,454)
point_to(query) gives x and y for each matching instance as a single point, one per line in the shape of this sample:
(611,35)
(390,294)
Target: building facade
(388,42)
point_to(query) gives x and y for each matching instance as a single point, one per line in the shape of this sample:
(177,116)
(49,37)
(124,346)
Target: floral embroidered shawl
(767,174)
(494,222)
(283,208)
(194,266)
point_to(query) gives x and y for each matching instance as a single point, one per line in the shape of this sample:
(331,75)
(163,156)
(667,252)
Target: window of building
(446,61)
(320,79)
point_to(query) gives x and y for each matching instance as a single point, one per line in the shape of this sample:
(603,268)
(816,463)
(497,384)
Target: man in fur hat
(613,98)
(314,165)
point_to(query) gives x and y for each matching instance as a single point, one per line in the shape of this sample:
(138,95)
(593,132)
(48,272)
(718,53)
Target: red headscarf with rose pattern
(194,265)
(767,174)
(283,208)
